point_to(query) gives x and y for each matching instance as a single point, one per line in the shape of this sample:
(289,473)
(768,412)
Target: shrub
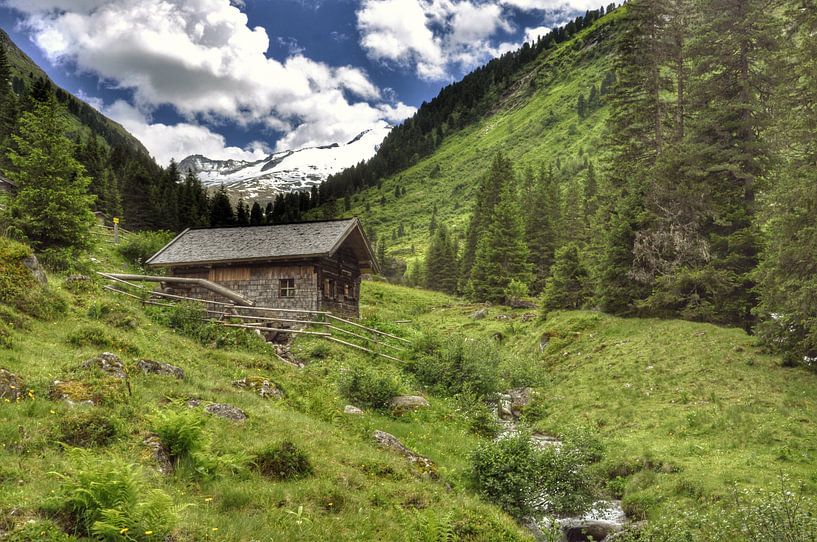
(112,313)
(320,351)
(506,472)
(19,288)
(182,434)
(283,461)
(91,335)
(481,421)
(138,247)
(108,499)
(637,505)
(459,365)
(88,428)
(188,318)
(40,530)
(369,386)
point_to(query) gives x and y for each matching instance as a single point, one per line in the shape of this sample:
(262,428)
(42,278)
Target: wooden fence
(269,321)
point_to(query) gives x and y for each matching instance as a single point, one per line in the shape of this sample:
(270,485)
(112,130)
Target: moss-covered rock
(12,387)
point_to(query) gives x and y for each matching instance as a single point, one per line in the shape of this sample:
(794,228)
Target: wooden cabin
(308,266)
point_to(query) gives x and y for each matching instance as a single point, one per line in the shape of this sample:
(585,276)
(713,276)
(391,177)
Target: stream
(604,519)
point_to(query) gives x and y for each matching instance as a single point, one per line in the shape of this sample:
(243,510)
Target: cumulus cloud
(543,5)
(202,58)
(430,35)
(532,34)
(177,141)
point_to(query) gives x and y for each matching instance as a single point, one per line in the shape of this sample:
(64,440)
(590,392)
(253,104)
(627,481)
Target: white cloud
(202,58)
(429,35)
(179,140)
(542,5)
(532,34)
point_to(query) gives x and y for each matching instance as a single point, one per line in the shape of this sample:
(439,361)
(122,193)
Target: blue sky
(239,79)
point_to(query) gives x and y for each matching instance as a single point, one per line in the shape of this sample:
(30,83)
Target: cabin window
(346,291)
(287,287)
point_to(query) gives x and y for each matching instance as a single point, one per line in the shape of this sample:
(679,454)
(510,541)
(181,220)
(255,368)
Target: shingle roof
(258,243)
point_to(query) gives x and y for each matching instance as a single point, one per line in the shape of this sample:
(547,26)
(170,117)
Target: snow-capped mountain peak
(285,171)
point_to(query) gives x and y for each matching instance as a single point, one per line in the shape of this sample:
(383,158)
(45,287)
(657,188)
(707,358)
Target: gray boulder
(424,465)
(108,363)
(480,314)
(262,386)
(403,404)
(149,366)
(37,271)
(512,403)
(228,412)
(353,410)
(159,453)
(585,530)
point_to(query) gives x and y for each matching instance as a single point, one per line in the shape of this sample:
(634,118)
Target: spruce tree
(441,262)
(221,210)
(542,217)
(242,213)
(502,255)
(256,215)
(569,284)
(788,270)
(52,206)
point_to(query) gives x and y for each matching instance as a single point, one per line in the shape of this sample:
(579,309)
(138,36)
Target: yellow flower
(123,530)
(148,533)
(208,499)
(215,528)
(53,411)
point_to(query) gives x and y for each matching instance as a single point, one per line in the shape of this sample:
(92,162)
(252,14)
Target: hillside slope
(87,119)
(534,122)
(685,413)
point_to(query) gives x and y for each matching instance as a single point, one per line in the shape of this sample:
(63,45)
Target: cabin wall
(339,284)
(259,283)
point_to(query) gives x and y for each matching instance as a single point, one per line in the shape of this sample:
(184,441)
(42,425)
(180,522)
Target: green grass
(685,412)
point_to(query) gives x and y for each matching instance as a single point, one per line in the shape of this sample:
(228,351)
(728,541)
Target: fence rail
(227,313)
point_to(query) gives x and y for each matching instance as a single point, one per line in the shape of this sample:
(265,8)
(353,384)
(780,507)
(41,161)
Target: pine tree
(256,215)
(543,212)
(221,210)
(568,286)
(8,104)
(788,270)
(441,263)
(52,207)
(502,255)
(490,186)
(242,213)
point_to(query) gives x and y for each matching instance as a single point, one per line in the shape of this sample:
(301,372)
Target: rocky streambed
(605,518)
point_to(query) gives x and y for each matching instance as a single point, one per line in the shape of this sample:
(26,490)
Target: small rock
(511,404)
(11,386)
(353,410)
(504,317)
(36,269)
(407,403)
(160,453)
(262,386)
(228,412)
(582,530)
(149,366)
(543,342)
(193,403)
(528,316)
(480,314)
(423,464)
(109,363)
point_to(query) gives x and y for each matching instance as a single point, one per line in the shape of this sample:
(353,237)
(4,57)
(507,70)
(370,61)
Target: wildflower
(208,499)
(123,530)
(215,529)
(148,533)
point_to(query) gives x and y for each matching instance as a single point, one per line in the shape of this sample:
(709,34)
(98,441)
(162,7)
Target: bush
(506,472)
(108,499)
(369,386)
(138,247)
(284,461)
(91,335)
(19,288)
(113,313)
(513,473)
(457,365)
(481,421)
(88,428)
(188,318)
(40,530)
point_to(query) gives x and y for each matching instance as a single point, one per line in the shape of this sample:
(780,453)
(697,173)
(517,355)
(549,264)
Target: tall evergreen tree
(502,255)
(242,213)
(256,215)
(568,287)
(543,209)
(52,207)
(441,262)
(221,210)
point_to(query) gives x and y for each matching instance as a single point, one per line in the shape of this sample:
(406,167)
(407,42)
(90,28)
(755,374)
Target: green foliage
(108,499)
(6,338)
(138,247)
(183,435)
(506,472)
(283,461)
(92,335)
(441,265)
(365,385)
(39,530)
(482,420)
(52,206)
(568,286)
(19,288)
(88,428)
(456,365)
(113,313)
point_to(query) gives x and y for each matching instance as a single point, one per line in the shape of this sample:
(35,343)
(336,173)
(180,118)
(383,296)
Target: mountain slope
(534,121)
(86,119)
(285,171)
